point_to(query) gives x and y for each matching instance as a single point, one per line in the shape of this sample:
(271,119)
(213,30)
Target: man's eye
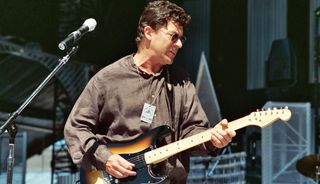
(175,37)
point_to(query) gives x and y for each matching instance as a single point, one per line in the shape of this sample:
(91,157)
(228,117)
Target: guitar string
(139,159)
(136,158)
(138,163)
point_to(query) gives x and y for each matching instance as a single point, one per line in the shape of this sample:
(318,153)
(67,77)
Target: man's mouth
(173,52)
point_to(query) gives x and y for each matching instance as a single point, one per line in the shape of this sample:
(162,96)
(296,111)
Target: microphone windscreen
(91,23)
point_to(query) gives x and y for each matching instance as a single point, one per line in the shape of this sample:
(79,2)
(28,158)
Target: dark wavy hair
(157,14)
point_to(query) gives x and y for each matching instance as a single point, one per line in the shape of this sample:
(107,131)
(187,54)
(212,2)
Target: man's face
(166,42)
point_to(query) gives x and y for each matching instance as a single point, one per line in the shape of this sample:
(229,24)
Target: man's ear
(148,32)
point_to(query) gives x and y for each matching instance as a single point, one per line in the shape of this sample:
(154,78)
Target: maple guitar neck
(164,152)
(262,119)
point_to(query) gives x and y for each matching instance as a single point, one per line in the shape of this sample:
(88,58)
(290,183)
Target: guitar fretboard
(164,152)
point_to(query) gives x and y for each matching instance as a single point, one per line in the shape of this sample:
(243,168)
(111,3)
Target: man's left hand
(221,134)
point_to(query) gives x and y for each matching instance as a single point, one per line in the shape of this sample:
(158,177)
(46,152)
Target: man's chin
(169,60)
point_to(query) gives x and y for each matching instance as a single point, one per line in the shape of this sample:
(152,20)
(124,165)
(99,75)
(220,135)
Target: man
(138,93)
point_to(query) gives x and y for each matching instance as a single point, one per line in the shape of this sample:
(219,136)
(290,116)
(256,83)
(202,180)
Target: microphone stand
(10,125)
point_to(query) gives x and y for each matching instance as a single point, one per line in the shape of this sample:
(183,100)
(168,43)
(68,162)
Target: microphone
(72,38)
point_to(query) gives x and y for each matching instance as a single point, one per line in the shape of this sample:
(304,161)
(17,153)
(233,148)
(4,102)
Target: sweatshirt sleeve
(194,119)
(80,129)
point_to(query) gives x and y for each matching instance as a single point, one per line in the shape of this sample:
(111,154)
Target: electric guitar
(143,152)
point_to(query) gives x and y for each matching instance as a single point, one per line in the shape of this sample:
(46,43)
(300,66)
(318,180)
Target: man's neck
(146,64)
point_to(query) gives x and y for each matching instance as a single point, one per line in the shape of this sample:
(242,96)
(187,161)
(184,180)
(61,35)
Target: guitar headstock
(266,117)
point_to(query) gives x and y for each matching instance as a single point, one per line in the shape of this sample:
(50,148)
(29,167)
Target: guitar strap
(169,89)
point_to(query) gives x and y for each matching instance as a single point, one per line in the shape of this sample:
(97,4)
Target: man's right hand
(119,167)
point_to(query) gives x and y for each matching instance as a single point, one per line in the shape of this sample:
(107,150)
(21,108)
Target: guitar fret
(164,152)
